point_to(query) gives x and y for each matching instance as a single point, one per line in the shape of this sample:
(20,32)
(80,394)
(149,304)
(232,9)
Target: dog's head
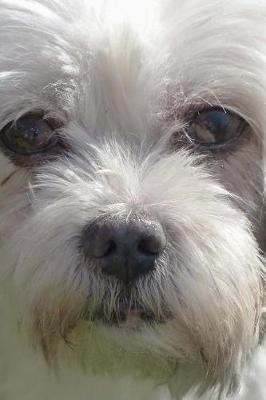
(132,179)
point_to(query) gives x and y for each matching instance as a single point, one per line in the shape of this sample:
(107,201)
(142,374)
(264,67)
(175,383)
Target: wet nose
(124,249)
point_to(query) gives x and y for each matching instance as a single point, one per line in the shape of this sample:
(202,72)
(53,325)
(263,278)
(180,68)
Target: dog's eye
(29,135)
(215,128)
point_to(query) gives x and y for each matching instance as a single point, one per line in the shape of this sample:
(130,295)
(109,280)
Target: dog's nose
(124,249)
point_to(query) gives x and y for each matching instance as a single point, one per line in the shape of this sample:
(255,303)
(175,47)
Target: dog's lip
(134,312)
(130,317)
(123,316)
(134,317)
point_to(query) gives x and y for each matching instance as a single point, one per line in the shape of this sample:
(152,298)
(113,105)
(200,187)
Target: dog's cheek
(213,276)
(14,196)
(217,308)
(242,173)
(14,210)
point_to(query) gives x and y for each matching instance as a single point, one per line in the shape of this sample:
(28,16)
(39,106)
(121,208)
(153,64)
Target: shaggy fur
(122,80)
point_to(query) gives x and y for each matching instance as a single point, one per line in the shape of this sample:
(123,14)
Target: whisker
(7,179)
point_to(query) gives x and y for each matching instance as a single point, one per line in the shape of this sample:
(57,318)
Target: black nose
(124,249)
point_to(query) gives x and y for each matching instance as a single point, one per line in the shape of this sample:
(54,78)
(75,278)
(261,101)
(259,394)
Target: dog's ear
(262,245)
(262,224)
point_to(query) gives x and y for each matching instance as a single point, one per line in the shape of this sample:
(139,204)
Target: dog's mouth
(127,316)
(131,317)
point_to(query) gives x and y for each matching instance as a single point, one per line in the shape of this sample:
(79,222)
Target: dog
(132,214)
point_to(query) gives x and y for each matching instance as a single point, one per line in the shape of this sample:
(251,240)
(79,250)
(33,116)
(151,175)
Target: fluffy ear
(260,221)
(262,245)
(262,230)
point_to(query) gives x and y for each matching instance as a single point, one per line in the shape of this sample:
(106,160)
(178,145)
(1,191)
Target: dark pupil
(215,127)
(217,123)
(31,134)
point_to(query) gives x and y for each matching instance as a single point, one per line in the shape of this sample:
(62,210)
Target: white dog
(132,199)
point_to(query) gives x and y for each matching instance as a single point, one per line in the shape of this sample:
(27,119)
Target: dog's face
(132,174)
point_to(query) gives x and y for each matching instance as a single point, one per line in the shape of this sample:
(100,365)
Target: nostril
(104,249)
(149,246)
(110,248)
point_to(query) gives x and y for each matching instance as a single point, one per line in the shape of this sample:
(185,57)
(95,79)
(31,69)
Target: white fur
(121,77)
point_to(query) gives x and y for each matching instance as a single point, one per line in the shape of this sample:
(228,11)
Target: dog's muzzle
(125,249)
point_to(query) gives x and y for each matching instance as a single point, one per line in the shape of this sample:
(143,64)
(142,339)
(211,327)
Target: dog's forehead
(121,63)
